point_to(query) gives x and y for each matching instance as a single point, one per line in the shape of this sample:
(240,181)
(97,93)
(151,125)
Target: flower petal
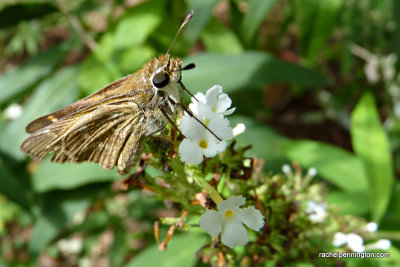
(190,152)
(234,234)
(211,222)
(223,103)
(220,126)
(252,217)
(191,128)
(200,97)
(205,112)
(214,148)
(228,112)
(212,96)
(194,108)
(233,202)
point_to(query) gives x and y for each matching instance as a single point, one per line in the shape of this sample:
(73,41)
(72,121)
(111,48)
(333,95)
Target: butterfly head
(167,72)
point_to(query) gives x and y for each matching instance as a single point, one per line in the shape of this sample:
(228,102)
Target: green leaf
(396,11)
(93,75)
(19,79)
(11,187)
(267,144)
(13,14)
(58,208)
(247,70)
(350,202)
(316,20)
(138,23)
(219,39)
(68,176)
(391,220)
(253,18)
(334,164)
(203,12)
(132,59)
(371,145)
(181,251)
(52,94)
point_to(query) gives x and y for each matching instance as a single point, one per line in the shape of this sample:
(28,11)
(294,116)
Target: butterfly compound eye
(160,80)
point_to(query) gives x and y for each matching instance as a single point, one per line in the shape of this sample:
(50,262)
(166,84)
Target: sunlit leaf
(138,23)
(266,143)
(219,39)
(94,75)
(20,78)
(371,145)
(203,12)
(334,164)
(100,68)
(132,59)
(52,176)
(350,202)
(52,94)
(254,16)
(181,252)
(246,70)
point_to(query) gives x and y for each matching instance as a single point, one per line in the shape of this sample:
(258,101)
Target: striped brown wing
(110,134)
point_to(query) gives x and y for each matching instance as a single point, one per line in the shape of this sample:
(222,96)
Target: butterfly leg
(171,121)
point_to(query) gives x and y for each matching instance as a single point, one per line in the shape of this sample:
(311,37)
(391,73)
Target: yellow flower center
(228,214)
(203,144)
(206,122)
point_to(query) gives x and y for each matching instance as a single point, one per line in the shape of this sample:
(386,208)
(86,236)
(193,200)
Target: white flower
(316,211)
(339,239)
(199,141)
(13,111)
(229,219)
(372,227)
(70,246)
(353,241)
(381,244)
(215,99)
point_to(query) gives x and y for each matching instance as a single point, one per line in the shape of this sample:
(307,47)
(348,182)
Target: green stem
(210,190)
(393,235)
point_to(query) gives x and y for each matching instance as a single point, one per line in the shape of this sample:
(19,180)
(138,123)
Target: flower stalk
(215,196)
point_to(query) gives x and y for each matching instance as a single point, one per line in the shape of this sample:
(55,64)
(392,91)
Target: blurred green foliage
(273,57)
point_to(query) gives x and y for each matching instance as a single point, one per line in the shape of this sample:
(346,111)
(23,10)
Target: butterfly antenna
(188,17)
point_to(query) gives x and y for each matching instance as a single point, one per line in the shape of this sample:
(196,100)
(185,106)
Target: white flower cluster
(209,109)
(356,242)
(353,241)
(229,220)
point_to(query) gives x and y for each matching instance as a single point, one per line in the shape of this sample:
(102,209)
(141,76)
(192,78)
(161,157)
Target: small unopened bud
(286,169)
(312,172)
(239,129)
